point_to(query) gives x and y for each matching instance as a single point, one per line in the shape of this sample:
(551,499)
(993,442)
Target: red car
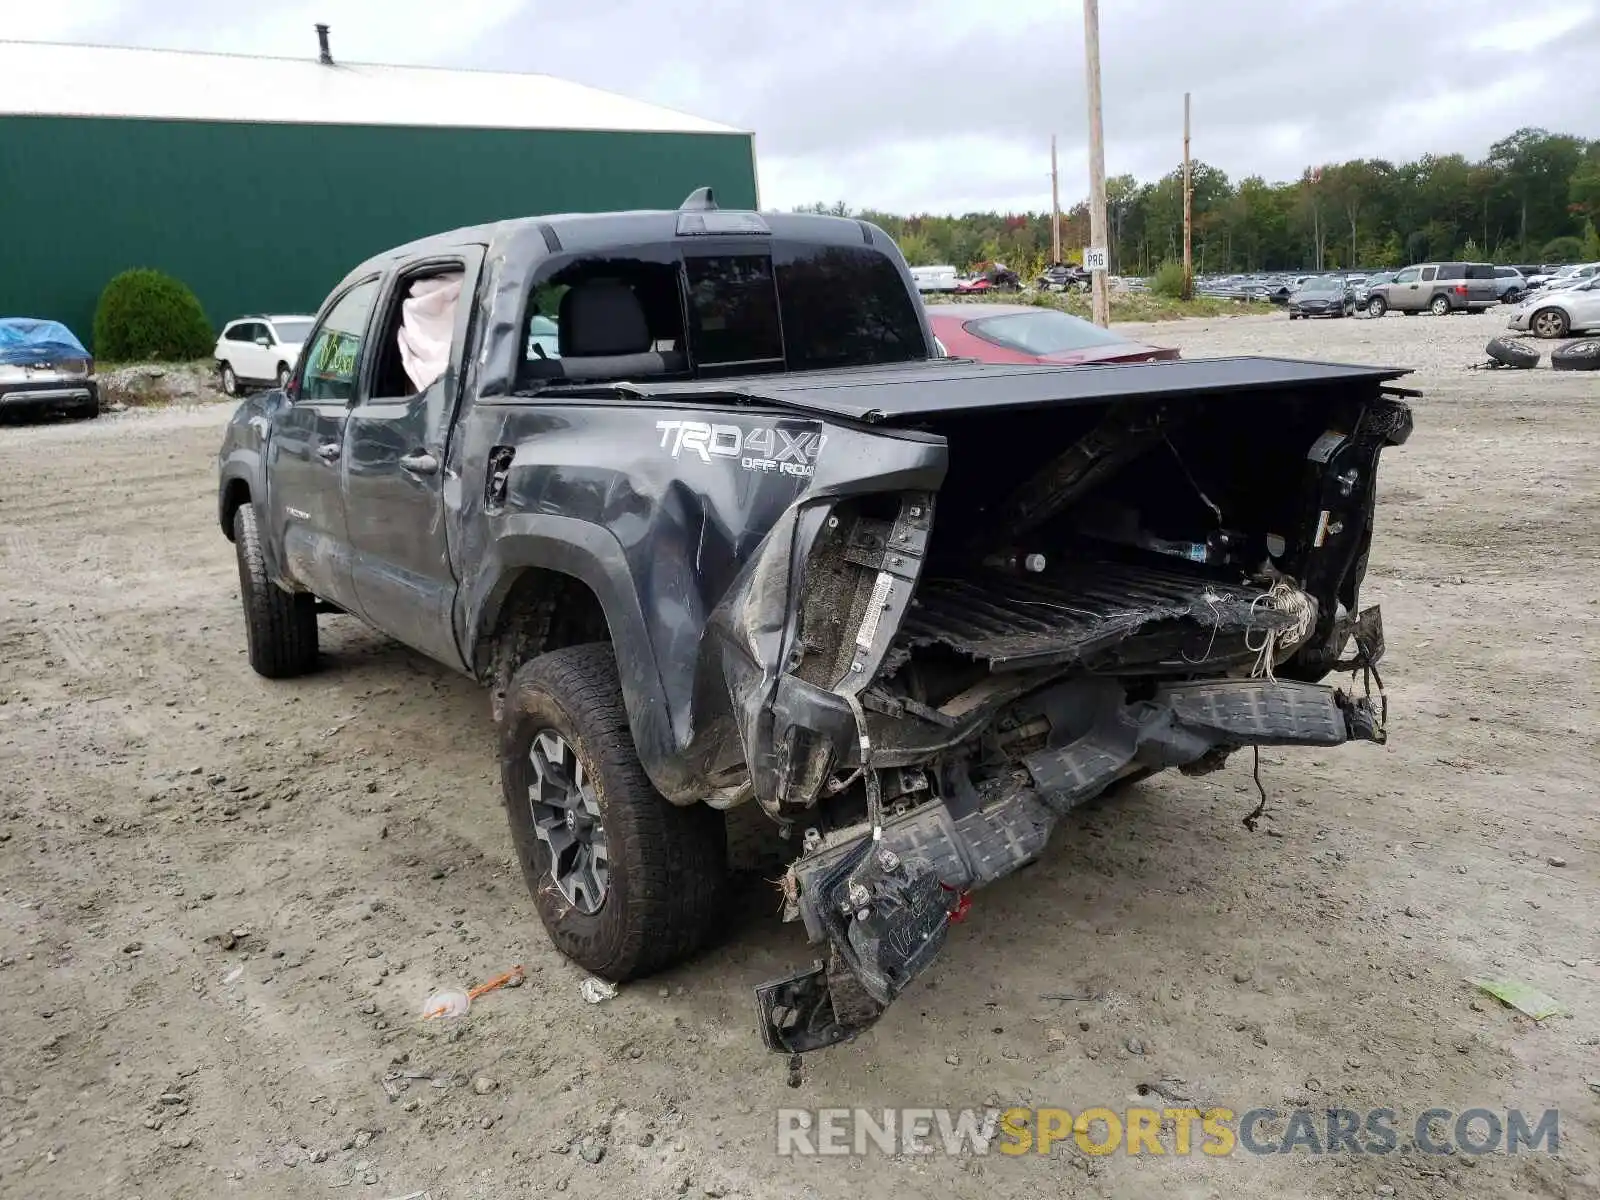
(1024,333)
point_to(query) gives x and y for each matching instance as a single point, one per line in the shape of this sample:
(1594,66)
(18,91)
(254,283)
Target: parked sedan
(259,350)
(1556,276)
(1022,333)
(1554,312)
(45,369)
(1328,296)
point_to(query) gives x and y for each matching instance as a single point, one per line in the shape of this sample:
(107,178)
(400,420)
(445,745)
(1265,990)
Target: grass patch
(153,385)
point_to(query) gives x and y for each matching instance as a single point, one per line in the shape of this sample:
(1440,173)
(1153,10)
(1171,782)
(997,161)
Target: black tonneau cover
(907,392)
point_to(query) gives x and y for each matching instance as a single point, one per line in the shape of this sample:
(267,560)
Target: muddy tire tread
(668,862)
(280,626)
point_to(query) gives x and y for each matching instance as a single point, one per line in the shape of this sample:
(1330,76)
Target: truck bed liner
(1019,623)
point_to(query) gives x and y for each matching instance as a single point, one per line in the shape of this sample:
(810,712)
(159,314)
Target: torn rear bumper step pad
(938,850)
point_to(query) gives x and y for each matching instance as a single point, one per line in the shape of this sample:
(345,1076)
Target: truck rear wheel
(280,627)
(625,882)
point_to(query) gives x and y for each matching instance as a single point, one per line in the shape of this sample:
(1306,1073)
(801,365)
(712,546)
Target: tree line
(1534,198)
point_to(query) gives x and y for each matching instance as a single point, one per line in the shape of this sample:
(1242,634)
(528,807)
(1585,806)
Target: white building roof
(54,79)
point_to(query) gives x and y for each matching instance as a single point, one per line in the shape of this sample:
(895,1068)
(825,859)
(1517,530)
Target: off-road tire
(280,627)
(1577,356)
(1439,306)
(668,864)
(1512,353)
(1376,306)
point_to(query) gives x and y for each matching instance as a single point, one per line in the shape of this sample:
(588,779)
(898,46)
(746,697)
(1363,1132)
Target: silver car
(1555,312)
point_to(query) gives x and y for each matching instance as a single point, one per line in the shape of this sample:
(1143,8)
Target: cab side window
(334,352)
(417,334)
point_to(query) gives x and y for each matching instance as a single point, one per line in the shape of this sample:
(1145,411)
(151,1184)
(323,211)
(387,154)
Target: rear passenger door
(395,472)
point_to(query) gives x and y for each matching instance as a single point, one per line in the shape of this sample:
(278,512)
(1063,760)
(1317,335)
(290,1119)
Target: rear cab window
(719,306)
(733,302)
(845,306)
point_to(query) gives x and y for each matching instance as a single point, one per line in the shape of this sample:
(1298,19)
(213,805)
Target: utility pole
(1188,209)
(1055,206)
(1097,164)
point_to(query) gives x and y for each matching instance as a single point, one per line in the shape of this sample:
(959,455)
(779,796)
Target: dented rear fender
(692,528)
(791,729)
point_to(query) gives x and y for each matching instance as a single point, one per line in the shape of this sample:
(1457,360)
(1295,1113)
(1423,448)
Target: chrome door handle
(328,451)
(420,463)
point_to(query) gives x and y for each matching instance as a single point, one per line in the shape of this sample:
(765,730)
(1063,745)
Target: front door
(397,440)
(1406,290)
(1585,305)
(252,354)
(304,453)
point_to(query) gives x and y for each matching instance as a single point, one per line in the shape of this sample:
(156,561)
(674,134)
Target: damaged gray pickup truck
(695,496)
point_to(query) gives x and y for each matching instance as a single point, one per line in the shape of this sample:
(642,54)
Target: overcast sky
(949,105)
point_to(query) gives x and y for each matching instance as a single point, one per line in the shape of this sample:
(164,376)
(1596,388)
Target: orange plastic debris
(455,1004)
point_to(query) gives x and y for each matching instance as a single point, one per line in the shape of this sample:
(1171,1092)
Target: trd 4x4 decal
(765,448)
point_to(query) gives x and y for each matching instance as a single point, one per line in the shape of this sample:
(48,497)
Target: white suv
(260,350)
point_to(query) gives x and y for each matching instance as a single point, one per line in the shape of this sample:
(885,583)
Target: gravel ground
(223,900)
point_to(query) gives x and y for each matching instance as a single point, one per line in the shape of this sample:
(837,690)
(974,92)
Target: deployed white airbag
(427,321)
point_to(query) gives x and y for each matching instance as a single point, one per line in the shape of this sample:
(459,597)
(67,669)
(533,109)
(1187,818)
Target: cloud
(946,105)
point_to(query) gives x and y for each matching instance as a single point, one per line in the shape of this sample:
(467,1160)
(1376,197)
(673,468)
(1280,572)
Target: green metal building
(260,181)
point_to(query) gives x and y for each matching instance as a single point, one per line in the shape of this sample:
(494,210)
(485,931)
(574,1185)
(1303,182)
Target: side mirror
(264,341)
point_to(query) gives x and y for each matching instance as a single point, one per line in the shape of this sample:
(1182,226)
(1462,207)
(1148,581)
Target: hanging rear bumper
(884,906)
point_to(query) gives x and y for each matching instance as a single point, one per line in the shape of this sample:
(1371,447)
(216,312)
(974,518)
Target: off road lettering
(764,449)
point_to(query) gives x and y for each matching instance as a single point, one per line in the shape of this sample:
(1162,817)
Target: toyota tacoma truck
(693,494)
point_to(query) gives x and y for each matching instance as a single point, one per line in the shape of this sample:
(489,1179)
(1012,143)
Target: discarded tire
(1577,356)
(1509,352)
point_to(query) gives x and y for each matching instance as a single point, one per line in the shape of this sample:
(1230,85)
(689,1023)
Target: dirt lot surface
(223,900)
